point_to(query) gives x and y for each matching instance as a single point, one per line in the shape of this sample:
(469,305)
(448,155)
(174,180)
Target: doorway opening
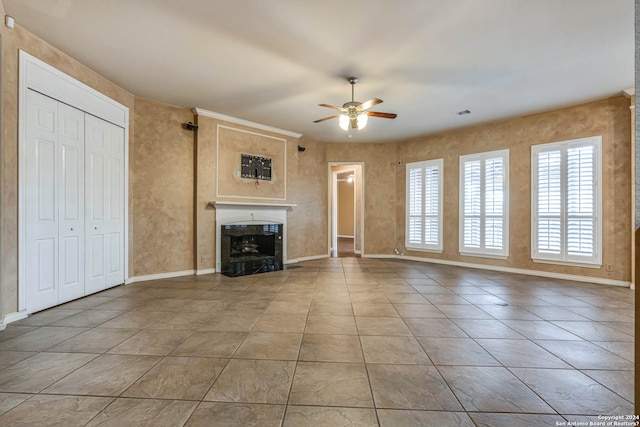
(346,202)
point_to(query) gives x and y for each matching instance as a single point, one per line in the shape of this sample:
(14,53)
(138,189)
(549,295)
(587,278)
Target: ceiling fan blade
(383,115)
(369,103)
(326,118)
(332,106)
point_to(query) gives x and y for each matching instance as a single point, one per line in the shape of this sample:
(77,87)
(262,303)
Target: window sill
(434,250)
(484,255)
(567,263)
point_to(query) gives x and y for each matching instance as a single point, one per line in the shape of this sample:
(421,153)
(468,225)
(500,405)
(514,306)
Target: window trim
(425,247)
(564,258)
(482,251)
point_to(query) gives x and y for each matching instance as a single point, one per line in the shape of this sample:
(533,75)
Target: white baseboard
(306,258)
(158,276)
(13,317)
(205,271)
(552,275)
(383,256)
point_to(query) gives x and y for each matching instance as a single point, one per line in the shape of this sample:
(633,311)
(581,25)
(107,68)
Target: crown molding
(224,117)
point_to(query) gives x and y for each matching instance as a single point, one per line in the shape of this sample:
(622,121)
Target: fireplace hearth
(250,249)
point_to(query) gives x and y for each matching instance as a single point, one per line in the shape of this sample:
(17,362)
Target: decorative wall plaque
(255,167)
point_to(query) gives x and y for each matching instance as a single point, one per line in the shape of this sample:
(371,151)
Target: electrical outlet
(609,268)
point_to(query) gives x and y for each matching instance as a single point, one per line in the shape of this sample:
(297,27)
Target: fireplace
(250,214)
(250,248)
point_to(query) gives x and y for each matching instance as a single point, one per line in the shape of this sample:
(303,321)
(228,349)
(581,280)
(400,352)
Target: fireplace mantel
(252,204)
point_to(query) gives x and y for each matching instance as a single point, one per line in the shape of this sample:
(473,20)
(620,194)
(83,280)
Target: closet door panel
(114,204)
(95,263)
(105,204)
(71,203)
(94,201)
(40,202)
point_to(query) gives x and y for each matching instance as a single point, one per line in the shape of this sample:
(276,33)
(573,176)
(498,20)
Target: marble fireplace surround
(248,213)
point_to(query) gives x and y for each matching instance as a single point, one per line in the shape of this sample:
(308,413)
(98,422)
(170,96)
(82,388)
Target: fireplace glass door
(250,249)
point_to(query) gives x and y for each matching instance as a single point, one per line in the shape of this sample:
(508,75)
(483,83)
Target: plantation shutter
(565,199)
(494,172)
(472,204)
(424,205)
(483,201)
(415,206)
(580,201)
(549,202)
(431,205)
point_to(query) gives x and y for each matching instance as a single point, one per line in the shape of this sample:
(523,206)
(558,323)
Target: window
(484,204)
(565,200)
(424,205)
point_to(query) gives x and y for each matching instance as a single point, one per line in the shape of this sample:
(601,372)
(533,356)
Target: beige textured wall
(609,118)
(205,182)
(12,41)
(379,191)
(232,143)
(308,189)
(163,189)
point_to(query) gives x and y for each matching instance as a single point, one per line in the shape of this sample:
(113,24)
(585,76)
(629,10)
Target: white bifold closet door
(74,207)
(104,147)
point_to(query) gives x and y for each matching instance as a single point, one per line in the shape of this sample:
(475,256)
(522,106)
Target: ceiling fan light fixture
(362,120)
(343,121)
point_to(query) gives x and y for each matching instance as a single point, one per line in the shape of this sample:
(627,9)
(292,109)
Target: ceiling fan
(354,112)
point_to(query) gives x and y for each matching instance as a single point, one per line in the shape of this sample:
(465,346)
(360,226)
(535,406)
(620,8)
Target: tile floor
(334,342)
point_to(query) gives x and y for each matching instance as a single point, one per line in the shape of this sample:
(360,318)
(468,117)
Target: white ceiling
(273,61)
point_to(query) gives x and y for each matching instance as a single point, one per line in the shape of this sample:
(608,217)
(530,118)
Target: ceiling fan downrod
(353,81)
